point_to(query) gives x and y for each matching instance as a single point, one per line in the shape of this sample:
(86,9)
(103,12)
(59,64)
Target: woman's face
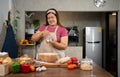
(52,20)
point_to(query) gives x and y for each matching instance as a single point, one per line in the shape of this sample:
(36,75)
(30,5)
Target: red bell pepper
(74,59)
(25,68)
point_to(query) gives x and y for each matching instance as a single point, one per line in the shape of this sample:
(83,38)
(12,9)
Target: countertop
(64,72)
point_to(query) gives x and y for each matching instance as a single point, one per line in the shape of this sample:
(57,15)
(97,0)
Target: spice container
(86,64)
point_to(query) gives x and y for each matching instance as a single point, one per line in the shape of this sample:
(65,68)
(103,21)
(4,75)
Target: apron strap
(46,27)
(55,28)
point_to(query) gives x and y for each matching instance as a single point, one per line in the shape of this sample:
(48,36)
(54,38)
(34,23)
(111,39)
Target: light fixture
(114,13)
(99,3)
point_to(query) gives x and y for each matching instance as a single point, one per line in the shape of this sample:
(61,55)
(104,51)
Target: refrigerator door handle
(93,42)
(97,42)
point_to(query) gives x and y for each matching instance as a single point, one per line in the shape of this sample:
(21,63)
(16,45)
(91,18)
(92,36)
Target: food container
(48,57)
(3,55)
(4,69)
(25,58)
(86,64)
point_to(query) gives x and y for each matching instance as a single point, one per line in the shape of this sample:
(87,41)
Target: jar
(86,64)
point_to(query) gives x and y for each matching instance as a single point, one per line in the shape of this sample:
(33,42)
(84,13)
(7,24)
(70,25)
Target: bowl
(48,57)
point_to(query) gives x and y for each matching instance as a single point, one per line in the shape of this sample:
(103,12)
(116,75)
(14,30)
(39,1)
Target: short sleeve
(64,32)
(42,27)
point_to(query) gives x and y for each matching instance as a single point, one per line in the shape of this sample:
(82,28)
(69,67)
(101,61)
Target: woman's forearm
(62,45)
(35,37)
(59,46)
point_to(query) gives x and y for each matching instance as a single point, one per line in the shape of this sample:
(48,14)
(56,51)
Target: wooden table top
(64,72)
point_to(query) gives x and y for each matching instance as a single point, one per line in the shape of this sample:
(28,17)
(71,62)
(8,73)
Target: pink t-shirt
(61,31)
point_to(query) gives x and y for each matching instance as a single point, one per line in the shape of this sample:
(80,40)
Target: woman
(53,36)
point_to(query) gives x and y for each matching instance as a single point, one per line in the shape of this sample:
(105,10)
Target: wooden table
(64,72)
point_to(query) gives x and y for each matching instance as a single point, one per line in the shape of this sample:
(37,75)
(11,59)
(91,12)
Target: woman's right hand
(45,33)
(39,34)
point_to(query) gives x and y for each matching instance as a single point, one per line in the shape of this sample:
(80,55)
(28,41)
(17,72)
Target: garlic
(43,68)
(39,69)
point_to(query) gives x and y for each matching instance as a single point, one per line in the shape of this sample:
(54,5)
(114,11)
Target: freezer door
(93,34)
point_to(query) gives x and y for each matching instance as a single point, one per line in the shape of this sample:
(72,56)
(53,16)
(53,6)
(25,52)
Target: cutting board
(54,65)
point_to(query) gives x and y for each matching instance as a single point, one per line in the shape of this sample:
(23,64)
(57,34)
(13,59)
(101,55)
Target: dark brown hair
(56,14)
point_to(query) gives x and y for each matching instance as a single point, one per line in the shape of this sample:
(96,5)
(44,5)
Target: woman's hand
(62,45)
(45,33)
(39,34)
(35,37)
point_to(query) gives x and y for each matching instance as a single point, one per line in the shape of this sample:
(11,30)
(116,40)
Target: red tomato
(69,61)
(71,66)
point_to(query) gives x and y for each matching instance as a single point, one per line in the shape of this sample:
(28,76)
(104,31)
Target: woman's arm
(35,37)
(39,34)
(62,45)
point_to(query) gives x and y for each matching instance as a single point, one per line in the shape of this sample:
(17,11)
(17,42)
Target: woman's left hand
(60,45)
(52,41)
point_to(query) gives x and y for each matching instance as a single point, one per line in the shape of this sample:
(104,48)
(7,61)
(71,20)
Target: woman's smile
(52,19)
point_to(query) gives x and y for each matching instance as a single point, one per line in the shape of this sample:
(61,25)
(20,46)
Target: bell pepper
(15,67)
(74,59)
(25,68)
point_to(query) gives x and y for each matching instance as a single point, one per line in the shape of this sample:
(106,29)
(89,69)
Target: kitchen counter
(64,72)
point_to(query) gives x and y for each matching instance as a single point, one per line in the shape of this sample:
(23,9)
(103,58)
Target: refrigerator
(93,44)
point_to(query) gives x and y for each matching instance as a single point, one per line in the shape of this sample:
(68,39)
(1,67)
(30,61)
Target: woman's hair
(53,11)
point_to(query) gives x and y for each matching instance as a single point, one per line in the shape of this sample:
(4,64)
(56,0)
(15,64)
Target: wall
(65,5)
(5,6)
(3,11)
(62,5)
(69,52)
(79,19)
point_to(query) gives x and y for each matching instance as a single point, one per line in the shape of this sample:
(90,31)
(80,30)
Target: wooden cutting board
(54,65)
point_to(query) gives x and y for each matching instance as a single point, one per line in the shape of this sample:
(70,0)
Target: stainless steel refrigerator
(93,44)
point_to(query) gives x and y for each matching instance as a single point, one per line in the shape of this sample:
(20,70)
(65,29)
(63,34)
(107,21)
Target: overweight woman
(52,35)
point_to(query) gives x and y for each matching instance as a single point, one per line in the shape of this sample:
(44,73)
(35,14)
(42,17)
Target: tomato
(71,66)
(32,68)
(69,61)
(74,65)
